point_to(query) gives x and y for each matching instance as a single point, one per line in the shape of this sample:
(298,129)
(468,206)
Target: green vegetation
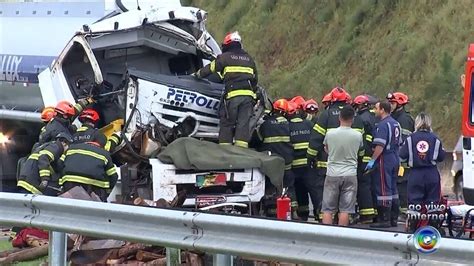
(375,46)
(6,245)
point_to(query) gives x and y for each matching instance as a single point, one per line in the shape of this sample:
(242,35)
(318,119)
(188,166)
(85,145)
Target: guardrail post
(173,257)
(57,250)
(222,260)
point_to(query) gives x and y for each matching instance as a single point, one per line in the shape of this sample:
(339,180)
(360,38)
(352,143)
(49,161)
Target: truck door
(72,74)
(468,129)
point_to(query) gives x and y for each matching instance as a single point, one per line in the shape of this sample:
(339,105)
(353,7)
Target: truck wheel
(458,185)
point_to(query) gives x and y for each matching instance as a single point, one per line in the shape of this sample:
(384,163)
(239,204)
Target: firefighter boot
(383,218)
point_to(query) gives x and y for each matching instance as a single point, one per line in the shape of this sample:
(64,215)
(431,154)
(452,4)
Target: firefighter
(300,131)
(274,133)
(99,175)
(364,184)
(47,114)
(38,170)
(311,109)
(385,162)
(299,104)
(239,73)
(398,100)
(422,150)
(326,101)
(62,122)
(317,157)
(88,131)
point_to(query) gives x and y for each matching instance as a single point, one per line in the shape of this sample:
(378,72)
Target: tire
(458,185)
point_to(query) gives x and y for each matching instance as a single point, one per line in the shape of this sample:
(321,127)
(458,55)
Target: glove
(370,165)
(43,184)
(90,100)
(196,75)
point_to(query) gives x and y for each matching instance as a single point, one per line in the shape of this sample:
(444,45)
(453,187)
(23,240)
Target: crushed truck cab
(137,64)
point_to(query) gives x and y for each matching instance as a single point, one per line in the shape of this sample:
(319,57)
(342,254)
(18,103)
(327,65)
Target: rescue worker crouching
(40,168)
(239,72)
(398,101)
(274,133)
(88,165)
(422,151)
(300,132)
(88,131)
(364,183)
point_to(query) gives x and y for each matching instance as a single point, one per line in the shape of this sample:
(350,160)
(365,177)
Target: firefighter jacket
(275,136)
(237,69)
(113,141)
(88,133)
(313,118)
(406,122)
(327,120)
(422,149)
(88,164)
(58,125)
(368,120)
(300,132)
(40,165)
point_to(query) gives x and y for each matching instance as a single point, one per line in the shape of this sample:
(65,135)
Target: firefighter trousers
(289,182)
(364,192)
(235,114)
(319,176)
(305,184)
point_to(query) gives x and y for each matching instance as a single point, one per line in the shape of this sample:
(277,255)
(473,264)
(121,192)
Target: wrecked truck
(137,64)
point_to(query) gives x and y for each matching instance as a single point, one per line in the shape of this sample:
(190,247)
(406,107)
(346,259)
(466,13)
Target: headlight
(455,156)
(3,139)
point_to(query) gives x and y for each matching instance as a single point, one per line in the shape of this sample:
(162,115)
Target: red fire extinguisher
(284,206)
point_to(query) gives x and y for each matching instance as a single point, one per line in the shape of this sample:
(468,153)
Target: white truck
(138,64)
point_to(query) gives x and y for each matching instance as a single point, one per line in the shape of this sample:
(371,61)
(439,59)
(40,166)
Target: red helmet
(47,114)
(398,97)
(292,108)
(281,105)
(299,101)
(348,98)
(311,106)
(338,94)
(361,99)
(65,108)
(232,37)
(327,98)
(89,114)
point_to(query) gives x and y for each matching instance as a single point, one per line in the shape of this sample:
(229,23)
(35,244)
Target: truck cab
(138,65)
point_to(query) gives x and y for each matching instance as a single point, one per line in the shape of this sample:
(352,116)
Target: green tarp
(192,154)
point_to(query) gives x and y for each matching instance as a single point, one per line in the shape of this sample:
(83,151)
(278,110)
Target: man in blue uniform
(385,160)
(422,150)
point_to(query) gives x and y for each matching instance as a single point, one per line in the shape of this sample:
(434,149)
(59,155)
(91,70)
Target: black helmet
(65,137)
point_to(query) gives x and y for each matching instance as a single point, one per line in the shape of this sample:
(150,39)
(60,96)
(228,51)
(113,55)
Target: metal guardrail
(20,115)
(224,234)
